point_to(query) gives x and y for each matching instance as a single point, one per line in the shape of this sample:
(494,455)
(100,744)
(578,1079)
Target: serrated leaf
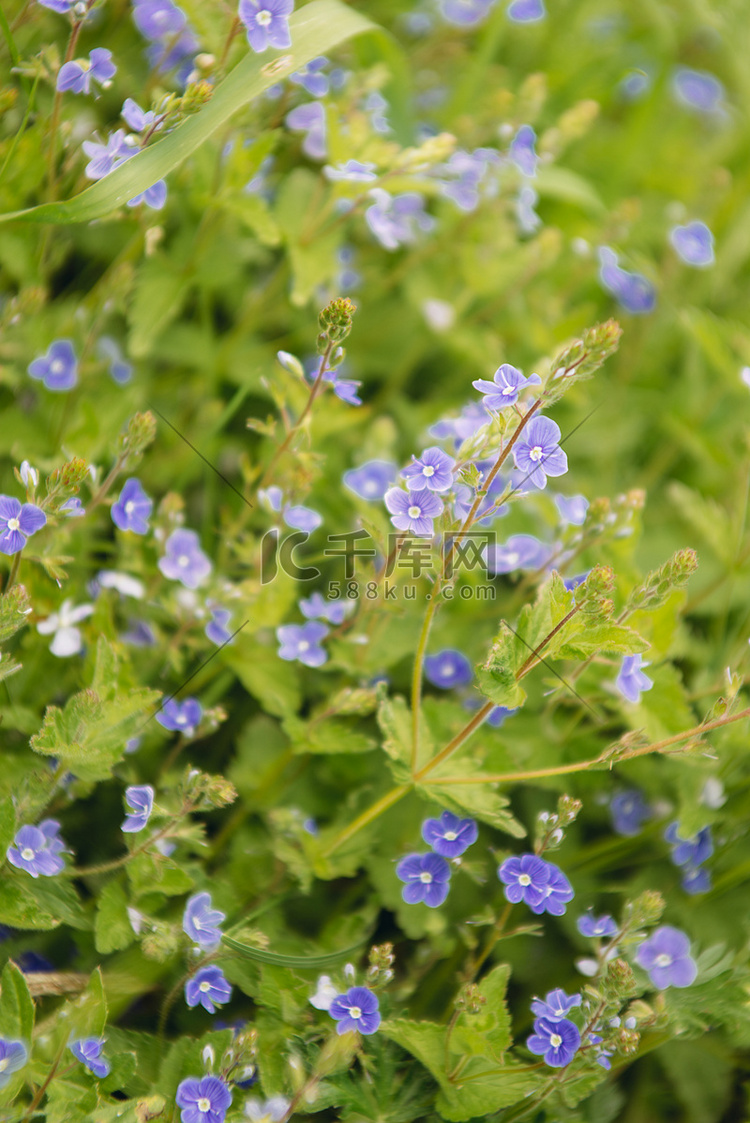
(112,928)
(16,1005)
(39,905)
(316,29)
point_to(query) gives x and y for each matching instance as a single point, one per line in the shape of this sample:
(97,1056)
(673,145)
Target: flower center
(536,452)
(205,986)
(663,960)
(450,836)
(56,366)
(13,524)
(555,1040)
(263,18)
(414,512)
(426,878)
(3,1064)
(524,879)
(508,390)
(355,1012)
(183,560)
(129,507)
(27,853)
(428,470)
(204,1104)
(303,645)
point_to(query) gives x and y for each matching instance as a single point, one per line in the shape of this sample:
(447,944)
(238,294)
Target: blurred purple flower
(133,508)
(302,642)
(184,561)
(267,23)
(447,669)
(58,369)
(180,717)
(666,958)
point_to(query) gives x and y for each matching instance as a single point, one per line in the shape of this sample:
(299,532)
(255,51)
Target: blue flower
(351,171)
(302,642)
(18,521)
(628,810)
(432,470)
(156,19)
(539,884)
(634,85)
(557,1042)
(209,988)
(666,957)
(697,89)
(133,508)
(449,836)
(138,119)
(78,74)
(375,104)
(689,851)
(694,243)
(448,668)
(273,1110)
(204,1100)
(635,292)
(104,158)
(154,196)
(555,1006)
(316,607)
(312,78)
(465,13)
(184,560)
(73,508)
(371,480)
(521,551)
(267,23)
(507,383)
(522,151)
(596,926)
(631,681)
(472,417)
(201,921)
(395,220)
(61,6)
(527,218)
(427,878)
(311,120)
(538,454)
(217,630)
(13,1055)
(356,1010)
(526,11)
(58,369)
(695,881)
(180,717)
(37,850)
(572,510)
(302,518)
(413,510)
(88,1050)
(140,801)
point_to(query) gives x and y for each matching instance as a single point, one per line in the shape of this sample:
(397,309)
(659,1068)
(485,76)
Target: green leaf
(479,800)
(316,29)
(272,681)
(16,1005)
(313,962)
(112,928)
(86,1015)
(605,636)
(39,905)
(327,737)
(159,291)
(394,719)
(155,873)
(424,1040)
(483,1091)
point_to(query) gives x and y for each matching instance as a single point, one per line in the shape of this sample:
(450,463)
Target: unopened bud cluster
(674,574)
(550,828)
(380,971)
(335,321)
(470,999)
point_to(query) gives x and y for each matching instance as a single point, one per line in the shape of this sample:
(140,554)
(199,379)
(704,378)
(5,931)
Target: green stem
(117,863)
(13,571)
(368,816)
(416,678)
(39,1094)
(54,126)
(99,495)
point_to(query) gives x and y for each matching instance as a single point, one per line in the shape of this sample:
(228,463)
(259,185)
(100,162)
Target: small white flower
(325,993)
(125,584)
(67,637)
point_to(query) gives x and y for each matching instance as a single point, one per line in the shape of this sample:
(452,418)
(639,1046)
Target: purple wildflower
(138,119)
(204,1100)
(449,836)
(634,85)
(697,89)
(413,510)
(538,454)
(432,470)
(572,510)
(472,417)
(267,23)
(88,1050)
(154,196)
(526,11)
(302,518)
(133,508)
(464,173)
(216,630)
(184,560)
(666,957)
(635,292)
(539,884)
(448,668)
(557,1041)
(120,370)
(395,220)
(61,6)
(36,851)
(18,521)
(312,78)
(465,13)
(209,988)
(201,921)
(694,243)
(507,383)
(371,480)
(104,158)
(158,19)
(555,1006)
(522,151)
(140,801)
(527,218)
(427,878)
(596,926)
(521,552)
(689,851)
(58,369)
(628,810)
(352,171)
(311,120)
(13,1055)
(180,717)
(695,881)
(317,607)
(356,1010)
(631,681)
(77,75)
(302,642)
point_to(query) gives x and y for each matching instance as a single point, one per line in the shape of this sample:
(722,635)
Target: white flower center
(663,960)
(204,986)
(27,853)
(183,560)
(56,366)
(555,1040)
(508,390)
(536,452)
(428,470)
(414,512)
(426,878)
(3,1064)
(13,524)
(450,836)
(129,507)
(204,1104)
(263,18)
(355,1012)
(524,879)
(303,645)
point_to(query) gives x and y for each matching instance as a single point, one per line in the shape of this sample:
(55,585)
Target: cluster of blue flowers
(427,876)
(689,855)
